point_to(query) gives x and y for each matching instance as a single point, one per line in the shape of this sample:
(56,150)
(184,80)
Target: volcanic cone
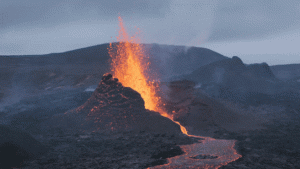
(113,107)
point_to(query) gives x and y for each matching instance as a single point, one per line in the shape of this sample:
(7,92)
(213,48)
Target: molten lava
(130,65)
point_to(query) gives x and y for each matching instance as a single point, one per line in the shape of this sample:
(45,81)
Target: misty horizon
(245,60)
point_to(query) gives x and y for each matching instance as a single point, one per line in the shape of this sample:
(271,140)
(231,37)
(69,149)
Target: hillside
(84,67)
(286,72)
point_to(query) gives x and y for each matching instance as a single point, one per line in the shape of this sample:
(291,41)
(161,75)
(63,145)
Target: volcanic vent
(113,107)
(117,107)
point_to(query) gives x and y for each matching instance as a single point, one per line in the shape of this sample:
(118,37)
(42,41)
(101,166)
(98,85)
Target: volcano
(113,107)
(138,116)
(129,100)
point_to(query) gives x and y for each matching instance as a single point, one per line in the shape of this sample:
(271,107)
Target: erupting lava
(129,65)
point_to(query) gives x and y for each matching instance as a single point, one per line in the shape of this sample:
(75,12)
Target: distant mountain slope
(84,67)
(254,84)
(187,58)
(33,73)
(232,79)
(286,72)
(232,72)
(261,70)
(175,60)
(84,55)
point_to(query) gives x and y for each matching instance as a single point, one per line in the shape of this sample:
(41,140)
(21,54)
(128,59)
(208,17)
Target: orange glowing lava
(129,65)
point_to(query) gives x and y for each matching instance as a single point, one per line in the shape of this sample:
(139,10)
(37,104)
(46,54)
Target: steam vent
(113,107)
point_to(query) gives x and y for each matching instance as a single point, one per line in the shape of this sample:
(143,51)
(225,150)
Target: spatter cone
(113,107)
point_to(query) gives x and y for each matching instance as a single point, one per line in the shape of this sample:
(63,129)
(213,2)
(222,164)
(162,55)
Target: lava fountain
(130,65)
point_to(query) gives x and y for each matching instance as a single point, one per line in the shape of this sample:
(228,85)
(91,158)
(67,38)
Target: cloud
(42,26)
(243,19)
(168,22)
(276,49)
(185,23)
(18,13)
(55,39)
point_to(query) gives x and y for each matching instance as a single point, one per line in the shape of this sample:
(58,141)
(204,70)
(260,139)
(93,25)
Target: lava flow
(129,65)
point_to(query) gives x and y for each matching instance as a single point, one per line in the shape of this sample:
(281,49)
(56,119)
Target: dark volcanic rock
(232,79)
(167,151)
(12,155)
(113,107)
(171,60)
(16,146)
(286,72)
(261,70)
(201,114)
(111,93)
(204,157)
(109,150)
(237,60)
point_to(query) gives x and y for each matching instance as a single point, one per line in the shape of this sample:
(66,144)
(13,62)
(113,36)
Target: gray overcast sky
(256,30)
